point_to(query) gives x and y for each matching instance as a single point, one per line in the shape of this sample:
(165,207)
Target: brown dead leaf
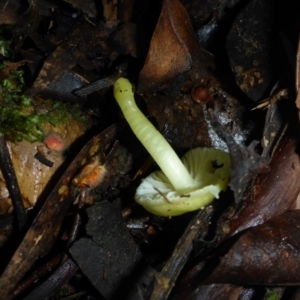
(272,193)
(266,254)
(32,175)
(250,49)
(171,50)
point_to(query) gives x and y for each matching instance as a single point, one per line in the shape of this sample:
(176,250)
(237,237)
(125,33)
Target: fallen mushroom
(180,186)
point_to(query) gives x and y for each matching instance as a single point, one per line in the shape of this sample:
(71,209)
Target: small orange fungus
(54,142)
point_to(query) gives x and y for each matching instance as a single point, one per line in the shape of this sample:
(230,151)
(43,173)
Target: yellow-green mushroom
(182,185)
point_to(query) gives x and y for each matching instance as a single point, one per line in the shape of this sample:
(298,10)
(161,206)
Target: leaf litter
(200,69)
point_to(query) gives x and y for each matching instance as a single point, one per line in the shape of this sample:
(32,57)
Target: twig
(166,279)
(95,86)
(12,183)
(298,66)
(298,75)
(62,275)
(37,275)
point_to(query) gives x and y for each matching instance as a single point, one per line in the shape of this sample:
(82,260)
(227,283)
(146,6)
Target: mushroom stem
(153,141)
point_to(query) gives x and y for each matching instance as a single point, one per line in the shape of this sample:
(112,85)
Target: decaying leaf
(250,48)
(64,86)
(181,122)
(99,37)
(171,50)
(23,15)
(55,65)
(67,55)
(33,175)
(272,193)
(267,254)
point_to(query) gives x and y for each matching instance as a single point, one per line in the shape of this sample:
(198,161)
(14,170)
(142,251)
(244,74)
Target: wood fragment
(12,183)
(165,280)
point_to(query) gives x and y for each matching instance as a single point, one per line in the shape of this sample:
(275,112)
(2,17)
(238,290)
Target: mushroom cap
(208,166)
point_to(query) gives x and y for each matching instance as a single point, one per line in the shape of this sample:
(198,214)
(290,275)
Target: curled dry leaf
(266,254)
(171,49)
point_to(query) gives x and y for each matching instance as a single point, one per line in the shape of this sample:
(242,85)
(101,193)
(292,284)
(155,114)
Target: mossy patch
(22,117)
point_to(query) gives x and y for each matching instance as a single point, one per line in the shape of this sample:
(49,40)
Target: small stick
(166,279)
(37,275)
(12,183)
(298,75)
(95,86)
(298,67)
(48,288)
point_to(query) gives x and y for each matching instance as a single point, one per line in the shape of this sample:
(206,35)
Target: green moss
(271,295)
(21,117)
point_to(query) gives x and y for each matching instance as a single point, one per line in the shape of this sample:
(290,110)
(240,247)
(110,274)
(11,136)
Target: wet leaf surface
(272,193)
(274,244)
(32,175)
